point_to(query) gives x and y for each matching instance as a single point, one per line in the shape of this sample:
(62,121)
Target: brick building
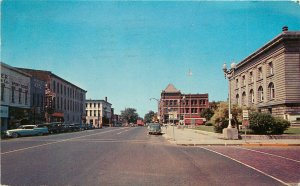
(64,101)
(175,107)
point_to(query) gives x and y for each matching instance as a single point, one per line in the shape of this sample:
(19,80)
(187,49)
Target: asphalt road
(118,156)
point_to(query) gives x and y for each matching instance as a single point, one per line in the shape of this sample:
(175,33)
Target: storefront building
(15,97)
(64,101)
(98,112)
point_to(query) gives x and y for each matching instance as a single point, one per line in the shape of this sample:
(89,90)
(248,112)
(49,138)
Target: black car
(55,127)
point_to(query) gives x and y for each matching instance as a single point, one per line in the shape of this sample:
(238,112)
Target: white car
(27,130)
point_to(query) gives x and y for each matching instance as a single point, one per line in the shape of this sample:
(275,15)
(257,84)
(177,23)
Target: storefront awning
(58,114)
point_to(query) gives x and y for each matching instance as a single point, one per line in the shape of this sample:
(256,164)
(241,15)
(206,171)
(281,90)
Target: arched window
(237,99)
(244,98)
(260,94)
(271,91)
(251,96)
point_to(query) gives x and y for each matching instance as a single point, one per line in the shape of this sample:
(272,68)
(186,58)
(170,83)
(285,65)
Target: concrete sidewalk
(192,137)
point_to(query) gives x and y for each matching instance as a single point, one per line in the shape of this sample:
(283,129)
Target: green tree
(129,115)
(220,117)
(207,113)
(148,117)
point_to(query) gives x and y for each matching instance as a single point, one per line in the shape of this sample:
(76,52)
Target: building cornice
(287,35)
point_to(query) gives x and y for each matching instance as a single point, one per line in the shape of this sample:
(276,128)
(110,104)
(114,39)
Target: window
(237,83)
(12,94)
(251,77)
(57,84)
(271,91)
(244,98)
(91,112)
(251,96)
(57,102)
(237,99)
(260,74)
(26,97)
(244,81)
(271,70)
(171,102)
(2,91)
(260,94)
(54,88)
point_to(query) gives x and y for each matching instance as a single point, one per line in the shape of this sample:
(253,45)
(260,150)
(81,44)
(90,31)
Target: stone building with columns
(269,78)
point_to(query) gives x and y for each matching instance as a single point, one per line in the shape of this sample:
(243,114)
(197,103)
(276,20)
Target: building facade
(98,112)
(15,96)
(64,101)
(269,79)
(175,107)
(37,101)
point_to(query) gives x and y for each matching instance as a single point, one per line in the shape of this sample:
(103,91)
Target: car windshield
(155,126)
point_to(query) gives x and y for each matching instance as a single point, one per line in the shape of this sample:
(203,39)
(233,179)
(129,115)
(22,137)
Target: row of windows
(270,71)
(66,91)
(16,94)
(260,93)
(65,104)
(184,110)
(185,102)
(92,104)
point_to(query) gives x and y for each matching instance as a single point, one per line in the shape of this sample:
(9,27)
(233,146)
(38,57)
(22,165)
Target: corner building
(269,79)
(175,107)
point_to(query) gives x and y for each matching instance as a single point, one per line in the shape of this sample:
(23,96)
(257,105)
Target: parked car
(55,127)
(27,130)
(154,128)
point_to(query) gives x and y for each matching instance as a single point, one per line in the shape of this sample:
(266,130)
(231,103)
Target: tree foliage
(207,113)
(148,117)
(220,117)
(265,123)
(129,115)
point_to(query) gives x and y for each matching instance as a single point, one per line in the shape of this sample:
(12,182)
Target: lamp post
(183,101)
(229,132)
(229,74)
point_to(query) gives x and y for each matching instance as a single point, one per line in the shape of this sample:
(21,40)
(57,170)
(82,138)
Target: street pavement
(129,156)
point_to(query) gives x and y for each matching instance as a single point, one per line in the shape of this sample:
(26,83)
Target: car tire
(40,134)
(14,135)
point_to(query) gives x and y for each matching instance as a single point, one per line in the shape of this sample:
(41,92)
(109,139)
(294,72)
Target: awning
(58,114)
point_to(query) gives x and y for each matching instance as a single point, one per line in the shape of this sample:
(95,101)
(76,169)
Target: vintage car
(154,128)
(27,130)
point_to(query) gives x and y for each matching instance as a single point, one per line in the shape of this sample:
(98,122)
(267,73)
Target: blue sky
(130,51)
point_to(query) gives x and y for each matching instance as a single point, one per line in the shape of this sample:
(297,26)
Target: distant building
(98,112)
(175,107)
(64,101)
(15,96)
(269,79)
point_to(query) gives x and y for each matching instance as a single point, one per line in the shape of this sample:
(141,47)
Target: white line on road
(246,165)
(278,156)
(122,132)
(17,150)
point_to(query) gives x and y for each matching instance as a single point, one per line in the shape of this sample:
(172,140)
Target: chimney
(285,28)
(106,99)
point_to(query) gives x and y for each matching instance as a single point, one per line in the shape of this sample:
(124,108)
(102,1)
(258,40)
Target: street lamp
(229,74)
(183,102)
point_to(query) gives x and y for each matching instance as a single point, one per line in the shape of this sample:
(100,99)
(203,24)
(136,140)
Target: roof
(44,75)
(292,35)
(15,69)
(171,89)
